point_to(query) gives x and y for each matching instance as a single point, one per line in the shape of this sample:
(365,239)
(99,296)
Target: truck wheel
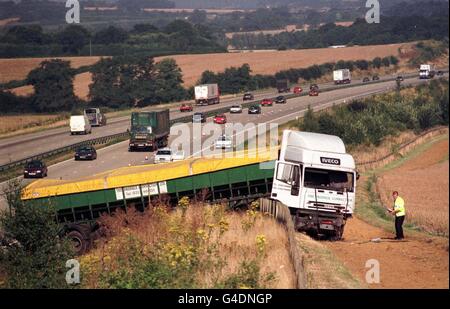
(337,235)
(80,243)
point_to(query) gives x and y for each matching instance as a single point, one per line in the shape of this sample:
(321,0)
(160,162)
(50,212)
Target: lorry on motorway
(313,176)
(283,85)
(207,94)
(95,116)
(79,124)
(343,76)
(149,130)
(316,178)
(427,71)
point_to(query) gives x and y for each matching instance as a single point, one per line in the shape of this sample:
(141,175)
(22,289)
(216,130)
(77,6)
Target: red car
(298,90)
(186,108)
(220,119)
(266,102)
(313,93)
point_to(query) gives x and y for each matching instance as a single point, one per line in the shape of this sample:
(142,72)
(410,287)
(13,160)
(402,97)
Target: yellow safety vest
(399,204)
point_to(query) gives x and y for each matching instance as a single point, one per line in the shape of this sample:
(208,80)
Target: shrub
(37,256)
(184,248)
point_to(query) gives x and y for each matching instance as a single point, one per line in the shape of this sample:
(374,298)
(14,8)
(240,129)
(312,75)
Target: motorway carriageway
(117,155)
(20,147)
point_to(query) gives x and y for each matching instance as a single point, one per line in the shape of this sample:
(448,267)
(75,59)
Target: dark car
(280,100)
(400,78)
(440,73)
(248,97)
(366,80)
(198,118)
(85,153)
(35,168)
(313,93)
(254,109)
(375,77)
(314,87)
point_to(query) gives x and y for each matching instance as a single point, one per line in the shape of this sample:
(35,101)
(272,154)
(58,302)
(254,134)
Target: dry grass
(365,153)
(423,181)
(273,61)
(208,228)
(16,123)
(18,69)
(323,269)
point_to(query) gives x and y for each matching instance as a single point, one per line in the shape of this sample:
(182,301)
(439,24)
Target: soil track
(418,262)
(421,261)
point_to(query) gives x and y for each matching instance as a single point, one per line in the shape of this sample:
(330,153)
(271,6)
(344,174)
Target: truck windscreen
(328,179)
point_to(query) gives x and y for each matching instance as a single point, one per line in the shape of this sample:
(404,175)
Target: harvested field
(270,62)
(423,182)
(18,69)
(20,122)
(208,11)
(81,84)
(6,21)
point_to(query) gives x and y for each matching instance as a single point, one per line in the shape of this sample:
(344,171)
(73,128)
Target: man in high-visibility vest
(399,212)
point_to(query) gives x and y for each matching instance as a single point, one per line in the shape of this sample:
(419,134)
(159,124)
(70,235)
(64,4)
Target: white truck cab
(316,179)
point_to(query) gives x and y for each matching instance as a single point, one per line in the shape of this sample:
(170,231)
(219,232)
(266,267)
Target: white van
(80,125)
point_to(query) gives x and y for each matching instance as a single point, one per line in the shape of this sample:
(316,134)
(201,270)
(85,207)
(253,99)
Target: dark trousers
(399,227)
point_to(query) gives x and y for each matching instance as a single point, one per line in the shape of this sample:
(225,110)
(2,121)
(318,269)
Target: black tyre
(338,233)
(80,242)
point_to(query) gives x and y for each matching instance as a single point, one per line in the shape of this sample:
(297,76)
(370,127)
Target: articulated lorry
(95,116)
(283,86)
(207,94)
(313,176)
(343,76)
(149,130)
(427,71)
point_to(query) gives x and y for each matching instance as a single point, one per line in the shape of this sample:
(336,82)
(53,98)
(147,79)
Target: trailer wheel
(80,243)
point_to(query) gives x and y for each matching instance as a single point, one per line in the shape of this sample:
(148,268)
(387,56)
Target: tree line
(235,80)
(74,40)
(137,81)
(369,121)
(118,82)
(391,30)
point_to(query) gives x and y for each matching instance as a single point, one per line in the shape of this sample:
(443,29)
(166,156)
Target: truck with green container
(149,130)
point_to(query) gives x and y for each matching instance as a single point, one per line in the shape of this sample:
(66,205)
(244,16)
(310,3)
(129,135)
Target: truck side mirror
(357,175)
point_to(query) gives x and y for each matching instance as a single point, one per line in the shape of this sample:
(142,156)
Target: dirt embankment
(422,260)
